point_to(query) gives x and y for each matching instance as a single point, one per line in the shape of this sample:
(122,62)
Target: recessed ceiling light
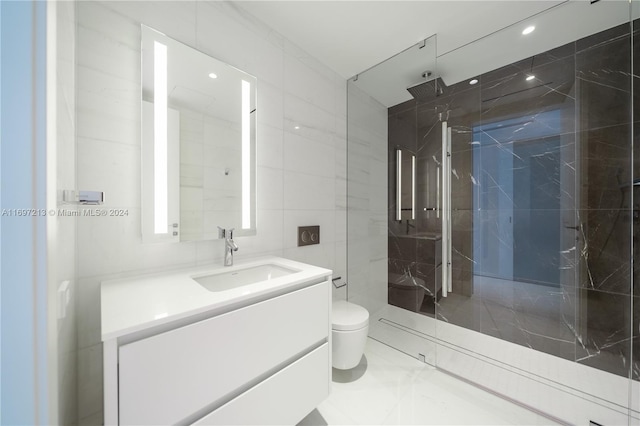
(297,127)
(528,30)
(530,77)
(474,81)
(213,75)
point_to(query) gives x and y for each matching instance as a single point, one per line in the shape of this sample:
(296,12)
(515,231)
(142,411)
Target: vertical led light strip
(449,210)
(413,187)
(246,154)
(445,213)
(160,175)
(438,192)
(399,185)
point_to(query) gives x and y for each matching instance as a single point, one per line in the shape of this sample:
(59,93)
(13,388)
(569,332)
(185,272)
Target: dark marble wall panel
(606,167)
(604,37)
(605,264)
(604,341)
(526,65)
(603,66)
(402,130)
(515,96)
(603,79)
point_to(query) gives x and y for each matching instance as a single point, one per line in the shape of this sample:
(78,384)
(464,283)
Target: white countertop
(134,304)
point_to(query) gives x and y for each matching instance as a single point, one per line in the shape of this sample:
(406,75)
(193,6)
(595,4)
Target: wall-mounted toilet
(349,329)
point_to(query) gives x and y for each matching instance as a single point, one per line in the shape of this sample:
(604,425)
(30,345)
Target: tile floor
(392,388)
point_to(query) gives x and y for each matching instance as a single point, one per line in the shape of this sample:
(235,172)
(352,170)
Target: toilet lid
(348,316)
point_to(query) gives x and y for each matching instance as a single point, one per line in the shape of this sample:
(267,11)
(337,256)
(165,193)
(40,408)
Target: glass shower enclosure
(510,210)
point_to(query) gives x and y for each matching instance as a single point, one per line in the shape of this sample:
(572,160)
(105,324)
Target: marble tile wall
(301,173)
(581,97)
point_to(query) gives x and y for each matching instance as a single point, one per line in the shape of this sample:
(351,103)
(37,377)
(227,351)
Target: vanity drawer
(278,400)
(174,376)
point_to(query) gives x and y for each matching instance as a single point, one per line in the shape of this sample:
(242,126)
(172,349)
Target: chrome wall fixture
(94,198)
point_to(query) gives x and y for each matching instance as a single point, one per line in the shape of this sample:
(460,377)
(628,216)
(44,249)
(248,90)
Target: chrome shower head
(427,90)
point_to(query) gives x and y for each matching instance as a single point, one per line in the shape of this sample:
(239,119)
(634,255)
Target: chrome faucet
(229,245)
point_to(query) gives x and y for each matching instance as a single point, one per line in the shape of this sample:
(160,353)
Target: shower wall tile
(604,320)
(428,123)
(462,180)
(603,106)
(514,96)
(402,131)
(607,64)
(429,251)
(606,167)
(603,37)
(605,262)
(602,74)
(427,272)
(526,65)
(403,107)
(402,248)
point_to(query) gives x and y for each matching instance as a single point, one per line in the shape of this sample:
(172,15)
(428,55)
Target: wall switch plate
(308,235)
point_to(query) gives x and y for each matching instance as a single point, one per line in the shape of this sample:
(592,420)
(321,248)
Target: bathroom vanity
(247,344)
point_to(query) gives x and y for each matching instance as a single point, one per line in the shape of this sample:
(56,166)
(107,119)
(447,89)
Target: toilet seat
(348,316)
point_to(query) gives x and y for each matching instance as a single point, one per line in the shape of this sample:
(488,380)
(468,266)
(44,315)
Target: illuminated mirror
(405,184)
(198,143)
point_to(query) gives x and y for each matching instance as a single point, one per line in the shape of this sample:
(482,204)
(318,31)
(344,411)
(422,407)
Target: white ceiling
(353,36)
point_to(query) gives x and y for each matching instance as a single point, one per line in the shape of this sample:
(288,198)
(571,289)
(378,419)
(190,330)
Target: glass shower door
(393,221)
(537,229)
(512,225)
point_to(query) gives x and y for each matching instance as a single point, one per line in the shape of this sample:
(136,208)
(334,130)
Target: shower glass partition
(516,271)
(391,257)
(538,229)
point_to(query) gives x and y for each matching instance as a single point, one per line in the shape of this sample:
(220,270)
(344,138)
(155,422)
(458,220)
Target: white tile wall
(301,172)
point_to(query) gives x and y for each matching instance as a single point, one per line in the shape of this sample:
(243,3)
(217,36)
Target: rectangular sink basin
(240,277)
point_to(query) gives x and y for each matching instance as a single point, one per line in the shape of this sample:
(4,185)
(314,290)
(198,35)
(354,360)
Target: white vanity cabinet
(262,360)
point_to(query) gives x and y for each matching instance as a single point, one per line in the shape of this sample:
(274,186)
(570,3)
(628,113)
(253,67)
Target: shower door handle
(446,209)
(575,228)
